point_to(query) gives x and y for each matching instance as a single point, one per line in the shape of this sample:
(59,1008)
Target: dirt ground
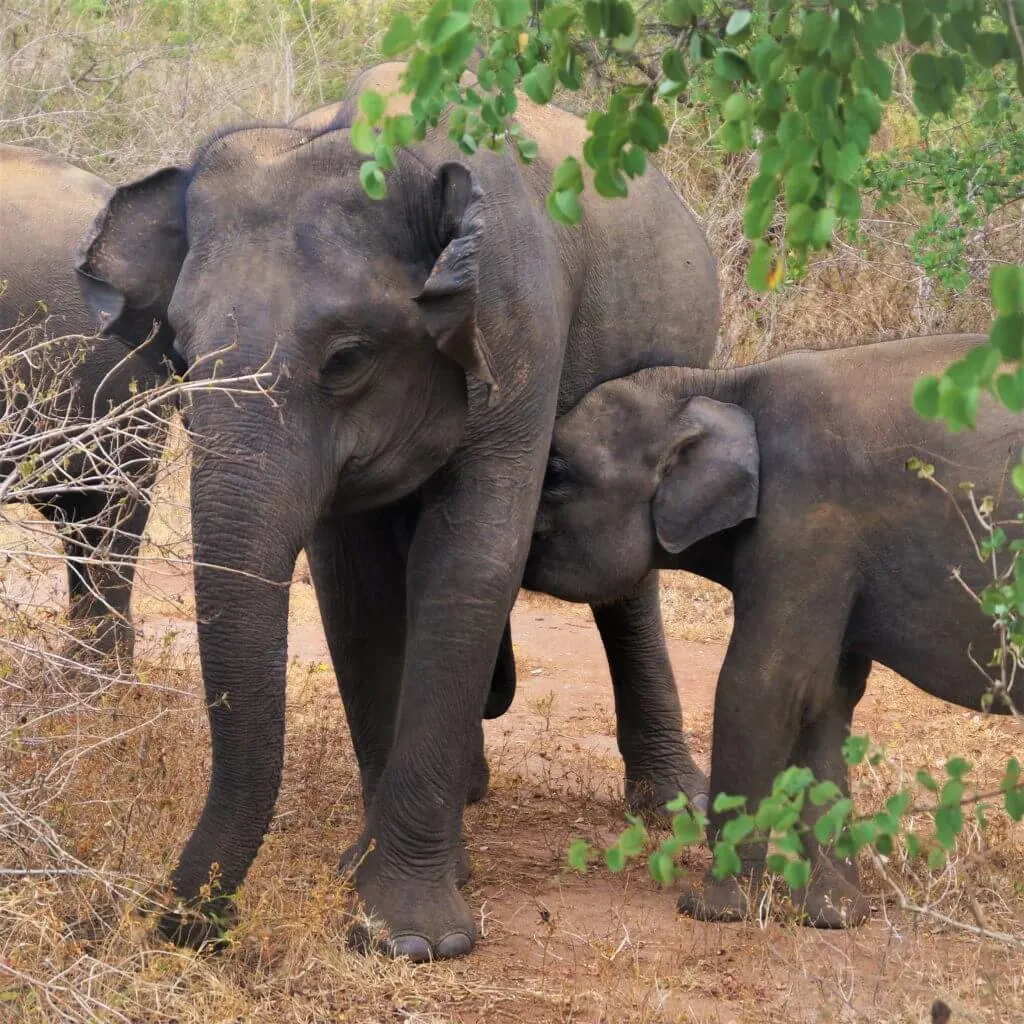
(554,946)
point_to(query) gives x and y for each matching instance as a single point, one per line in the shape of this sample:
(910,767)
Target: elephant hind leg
(101,541)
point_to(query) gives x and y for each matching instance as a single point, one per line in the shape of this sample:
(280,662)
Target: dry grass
(107,787)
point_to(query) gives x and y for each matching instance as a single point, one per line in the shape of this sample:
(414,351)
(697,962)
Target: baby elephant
(787,483)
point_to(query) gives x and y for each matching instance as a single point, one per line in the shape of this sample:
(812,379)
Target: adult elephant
(423,345)
(45,206)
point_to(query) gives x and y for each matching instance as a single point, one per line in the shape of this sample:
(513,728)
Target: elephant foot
(203,928)
(351,859)
(109,650)
(833,898)
(479,779)
(413,918)
(725,901)
(649,791)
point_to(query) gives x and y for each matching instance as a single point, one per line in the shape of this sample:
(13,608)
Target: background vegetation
(108,790)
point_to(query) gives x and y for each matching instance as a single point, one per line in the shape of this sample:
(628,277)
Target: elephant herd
(467,399)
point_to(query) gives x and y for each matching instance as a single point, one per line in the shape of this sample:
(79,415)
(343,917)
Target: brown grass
(105,789)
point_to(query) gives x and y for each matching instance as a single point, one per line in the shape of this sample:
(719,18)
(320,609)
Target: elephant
(45,207)
(786,482)
(421,346)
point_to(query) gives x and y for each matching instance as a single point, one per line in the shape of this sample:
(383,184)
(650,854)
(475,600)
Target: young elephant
(786,483)
(45,205)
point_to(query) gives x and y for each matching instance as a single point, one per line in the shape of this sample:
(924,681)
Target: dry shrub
(101,789)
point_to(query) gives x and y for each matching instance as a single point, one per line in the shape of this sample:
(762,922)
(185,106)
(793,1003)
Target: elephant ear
(711,476)
(448,299)
(129,260)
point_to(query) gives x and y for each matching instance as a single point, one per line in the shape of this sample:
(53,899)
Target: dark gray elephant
(45,206)
(785,482)
(423,345)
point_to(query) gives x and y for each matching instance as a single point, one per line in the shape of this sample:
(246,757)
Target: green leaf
(372,105)
(957,767)
(1010,390)
(579,853)
(371,177)
(936,858)
(539,83)
(952,793)
(678,803)
(728,64)
(1007,335)
(1006,284)
(926,398)
(758,271)
(512,13)
(528,149)
(989,48)
(662,868)
(823,792)
(450,27)
(824,223)
(403,129)
(925,779)
(401,34)
(738,828)
(634,161)
(568,175)
(726,861)
(736,107)
(564,207)
(559,17)
(817,27)
(797,873)
(926,70)
(686,828)
(615,859)
(672,66)
(633,840)
(855,749)
(609,182)
(679,12)
(890,23)
(738,22)
(723,803)
(364,138)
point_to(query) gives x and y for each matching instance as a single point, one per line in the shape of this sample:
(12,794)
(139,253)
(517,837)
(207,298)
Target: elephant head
(640,470)
(266,255)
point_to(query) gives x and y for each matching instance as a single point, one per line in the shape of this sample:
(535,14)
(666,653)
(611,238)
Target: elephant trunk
(247,532)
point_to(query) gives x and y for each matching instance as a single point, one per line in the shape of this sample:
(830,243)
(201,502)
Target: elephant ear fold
(129,260)
(448,299)
(711,474)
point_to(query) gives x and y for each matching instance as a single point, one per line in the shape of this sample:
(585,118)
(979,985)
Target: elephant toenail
(454,944)
(413,947)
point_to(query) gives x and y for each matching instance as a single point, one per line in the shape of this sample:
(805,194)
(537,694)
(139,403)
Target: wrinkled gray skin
(45,206)
(424,344)
(785,482)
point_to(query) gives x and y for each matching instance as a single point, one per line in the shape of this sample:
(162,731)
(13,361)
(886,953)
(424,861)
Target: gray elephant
(786,483)
(45,207)
(422,346)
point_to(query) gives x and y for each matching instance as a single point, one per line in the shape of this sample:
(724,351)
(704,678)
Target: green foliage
(782,820)
(804,84)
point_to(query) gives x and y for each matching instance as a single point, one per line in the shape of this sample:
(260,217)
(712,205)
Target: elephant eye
(344,358)
(557,475)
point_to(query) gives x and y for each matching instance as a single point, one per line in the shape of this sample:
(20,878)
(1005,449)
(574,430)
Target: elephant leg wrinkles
(777,698)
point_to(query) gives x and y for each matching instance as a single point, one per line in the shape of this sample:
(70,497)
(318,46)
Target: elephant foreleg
(649,719)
